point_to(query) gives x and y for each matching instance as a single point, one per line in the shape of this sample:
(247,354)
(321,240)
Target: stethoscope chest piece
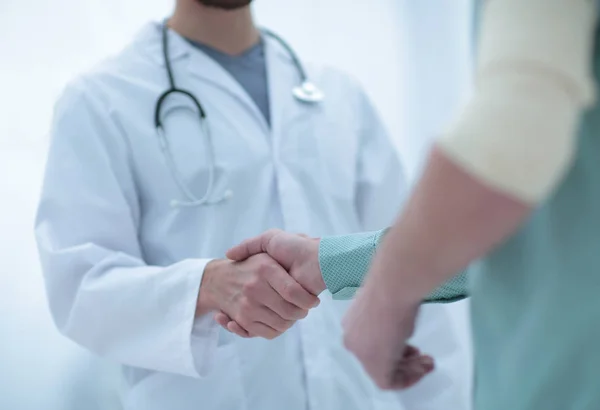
(307,92)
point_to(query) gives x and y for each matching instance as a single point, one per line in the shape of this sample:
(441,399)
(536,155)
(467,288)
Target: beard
(225,4)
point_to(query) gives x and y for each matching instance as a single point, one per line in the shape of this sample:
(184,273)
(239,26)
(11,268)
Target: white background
(412,56)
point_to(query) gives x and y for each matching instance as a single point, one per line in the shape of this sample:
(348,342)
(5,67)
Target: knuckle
(246,306)
(252,286)
(290,291)
(264,268)
(242,319)
(294,313)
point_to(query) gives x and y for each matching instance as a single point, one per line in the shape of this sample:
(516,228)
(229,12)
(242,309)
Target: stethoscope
(305,92)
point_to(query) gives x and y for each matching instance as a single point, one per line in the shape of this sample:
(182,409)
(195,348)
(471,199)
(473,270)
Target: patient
(513,185)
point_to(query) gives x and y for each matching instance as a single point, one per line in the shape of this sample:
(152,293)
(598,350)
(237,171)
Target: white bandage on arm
(533,82)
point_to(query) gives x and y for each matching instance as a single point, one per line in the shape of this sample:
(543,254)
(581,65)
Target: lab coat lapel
(286,115)
(282,77)
(198,65)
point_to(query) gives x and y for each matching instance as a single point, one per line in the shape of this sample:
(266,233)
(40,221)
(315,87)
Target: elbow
(533,82)
(517,136)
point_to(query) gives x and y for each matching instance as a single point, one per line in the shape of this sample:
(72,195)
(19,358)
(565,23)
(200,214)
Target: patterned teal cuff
(452,291)
(345,261)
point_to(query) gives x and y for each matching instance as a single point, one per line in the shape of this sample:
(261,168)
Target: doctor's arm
(101,293)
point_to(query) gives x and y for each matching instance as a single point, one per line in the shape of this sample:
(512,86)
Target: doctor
(201,133)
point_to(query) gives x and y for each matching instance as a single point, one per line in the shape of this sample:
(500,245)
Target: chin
(225,4)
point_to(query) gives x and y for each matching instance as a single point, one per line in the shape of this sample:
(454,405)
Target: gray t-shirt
(248,68)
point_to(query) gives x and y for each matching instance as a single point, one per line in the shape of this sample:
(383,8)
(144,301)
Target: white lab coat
(123,267)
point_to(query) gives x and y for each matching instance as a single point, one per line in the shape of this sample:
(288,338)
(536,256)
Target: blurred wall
(410,55)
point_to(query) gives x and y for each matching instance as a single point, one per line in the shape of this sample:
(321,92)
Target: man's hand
(375,331)
(298,254)
(257,293)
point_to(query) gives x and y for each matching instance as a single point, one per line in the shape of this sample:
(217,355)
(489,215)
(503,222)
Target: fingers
(263,322)
(411,370)
(260,329)
(252,246)
(291,291)
(274,321)
(283,308)
(266,301)
(235,328)
(228,324)
(222,319)
(255,321)
(411,351)
(260,290)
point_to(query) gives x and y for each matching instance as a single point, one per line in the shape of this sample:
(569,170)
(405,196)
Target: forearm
(133,314)
(451,220)
(508,150)
(345,261)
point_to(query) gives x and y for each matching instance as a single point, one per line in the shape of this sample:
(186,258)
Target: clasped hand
(265,286)
(376,327)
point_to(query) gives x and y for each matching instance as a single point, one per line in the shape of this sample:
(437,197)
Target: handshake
(271,281)
(267,284)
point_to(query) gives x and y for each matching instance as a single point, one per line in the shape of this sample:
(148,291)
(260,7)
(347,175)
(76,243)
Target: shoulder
(343,91)
(85,108)
(110,77)
(335,79)
(92,93)
(341,86)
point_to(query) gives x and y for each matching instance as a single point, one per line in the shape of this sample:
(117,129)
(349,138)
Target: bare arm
(450,220)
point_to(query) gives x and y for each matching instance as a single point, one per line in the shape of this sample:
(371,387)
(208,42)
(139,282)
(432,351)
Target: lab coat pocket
(325,150)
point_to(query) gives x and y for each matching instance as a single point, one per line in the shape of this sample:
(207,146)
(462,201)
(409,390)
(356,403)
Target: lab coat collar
(200,65)
(149,38)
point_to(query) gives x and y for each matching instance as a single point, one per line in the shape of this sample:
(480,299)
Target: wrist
(317,284)
(207,300)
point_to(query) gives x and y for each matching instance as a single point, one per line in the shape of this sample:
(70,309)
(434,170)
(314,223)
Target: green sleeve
(345,261)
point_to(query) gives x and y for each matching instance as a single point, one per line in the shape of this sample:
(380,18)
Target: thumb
(251,247)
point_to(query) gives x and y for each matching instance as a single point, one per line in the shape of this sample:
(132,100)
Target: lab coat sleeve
(345,261)
(101,293)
